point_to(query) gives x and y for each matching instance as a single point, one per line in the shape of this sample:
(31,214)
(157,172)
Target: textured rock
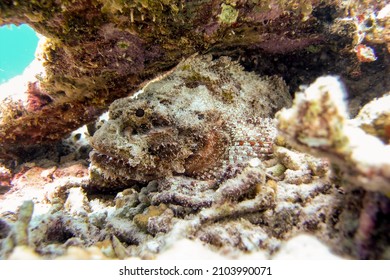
(196,154)
(318,124)
(374,118)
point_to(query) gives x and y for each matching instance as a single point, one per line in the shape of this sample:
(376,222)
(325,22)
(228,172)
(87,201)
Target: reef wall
(98,51)
(198,152)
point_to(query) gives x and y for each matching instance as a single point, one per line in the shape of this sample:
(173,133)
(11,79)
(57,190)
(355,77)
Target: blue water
(17,48)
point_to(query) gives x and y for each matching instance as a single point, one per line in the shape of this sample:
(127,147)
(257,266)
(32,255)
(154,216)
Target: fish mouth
(97,156)
(117,168)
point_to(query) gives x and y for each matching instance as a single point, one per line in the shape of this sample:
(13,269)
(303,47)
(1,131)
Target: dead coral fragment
(321,115)
(374,118)
(184,191)
(18,235)
(21,227)
(318,124)
(141,220)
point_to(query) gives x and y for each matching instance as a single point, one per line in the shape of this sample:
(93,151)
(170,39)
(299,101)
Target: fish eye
(200,116)
(140,113)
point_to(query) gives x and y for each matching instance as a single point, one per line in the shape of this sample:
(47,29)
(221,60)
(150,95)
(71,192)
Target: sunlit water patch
(17,48)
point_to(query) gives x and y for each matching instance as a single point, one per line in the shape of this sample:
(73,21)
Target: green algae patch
(228,14)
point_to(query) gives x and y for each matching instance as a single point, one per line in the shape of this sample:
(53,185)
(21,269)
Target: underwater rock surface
(318,124)
(197,158)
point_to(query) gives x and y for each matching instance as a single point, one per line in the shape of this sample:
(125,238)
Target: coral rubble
(238,217)
(318,124)
(374,118)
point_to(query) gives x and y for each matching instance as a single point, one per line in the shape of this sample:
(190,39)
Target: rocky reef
(94,52)
(220,136)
